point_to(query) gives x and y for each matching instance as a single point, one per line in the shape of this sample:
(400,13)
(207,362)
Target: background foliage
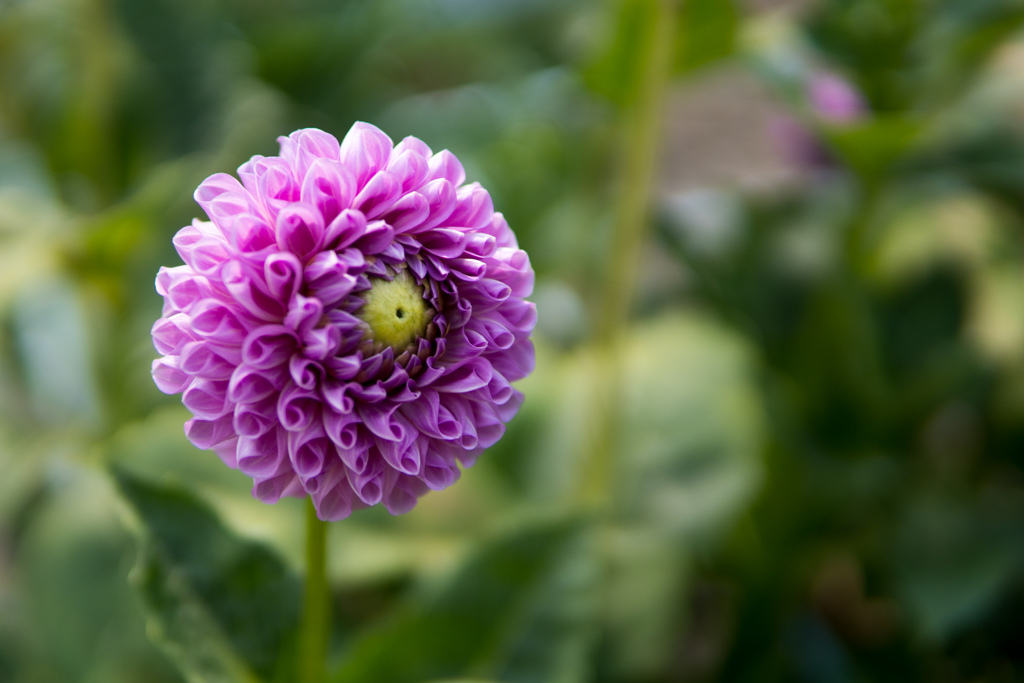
(818,470)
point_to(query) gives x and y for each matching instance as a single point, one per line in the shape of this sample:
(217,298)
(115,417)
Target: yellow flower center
(395,311)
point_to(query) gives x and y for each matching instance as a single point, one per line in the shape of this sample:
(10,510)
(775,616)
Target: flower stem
(642,127)
(316,616)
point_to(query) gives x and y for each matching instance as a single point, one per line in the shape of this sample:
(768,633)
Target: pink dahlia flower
(348,323)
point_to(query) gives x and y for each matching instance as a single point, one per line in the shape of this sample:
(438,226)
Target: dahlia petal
(320,343)
(445,165)
(205,434)
(357,458)
(182,286)
(409,167)
(283,274)
(474,208)
(431,371)
(402,492)
(328,187)
(223,197)
(519,316)
(327,278)
(376,239)
(464,343)
(473,374)
(486,291)
(379,195)
(307,144)
(413,144)
(276,184)
(214,320)
(502,233)
(403,455)
(507,411)
(251,292)
(343,367)
(249,385)
(171,334)
(516,362)
(249,234)
(308,450)
(461,313)
(297,408)
(441,198)
(408,213)
(206,399)
(369,484)
(300,230)
(227,451)
(463,415)
(304,314)
(247,174)
(168,377)
(335,394)
(305,147)
(276,486)
(393,254)
(206,257)
(341,428)
(397,378)
(489,426)
(378,419)
(372,393)
(497,335)
(498,390)
(255,419)
(443,242)
(306,373)
(269,346)
(437,473)
(318,143)
(512,266)
(333,501)
(365,150)
(262,457)
(468,269)
(199,359)
(431,418)
(481,245)
(406,394)
(468,458)
(198,231)
(347,227)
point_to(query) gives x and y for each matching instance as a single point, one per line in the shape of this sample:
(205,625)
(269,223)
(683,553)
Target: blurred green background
(816,473)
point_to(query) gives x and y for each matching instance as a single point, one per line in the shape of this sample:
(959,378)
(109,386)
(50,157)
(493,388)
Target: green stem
(316,616)
(642,126)
(642,129)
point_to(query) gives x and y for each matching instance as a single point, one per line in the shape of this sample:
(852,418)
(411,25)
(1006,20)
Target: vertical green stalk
(316,618)
(642,124)
(642,127)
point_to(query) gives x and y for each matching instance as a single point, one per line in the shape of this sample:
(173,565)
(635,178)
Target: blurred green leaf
(520,609)
(692,425)
(614,73)
(222,607)
(960,38)
(871,148)
(707,33)
(73,617)
(954,559)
